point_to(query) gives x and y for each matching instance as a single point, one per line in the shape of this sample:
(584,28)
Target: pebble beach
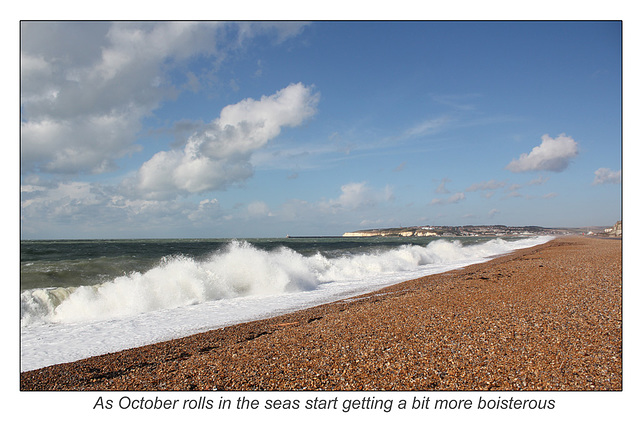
(543,318)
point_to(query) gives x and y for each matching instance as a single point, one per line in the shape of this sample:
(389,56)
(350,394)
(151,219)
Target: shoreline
(552,323)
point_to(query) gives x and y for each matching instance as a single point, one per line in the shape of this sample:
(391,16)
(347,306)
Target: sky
(266,129)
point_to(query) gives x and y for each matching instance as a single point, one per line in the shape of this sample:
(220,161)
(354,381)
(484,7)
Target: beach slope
(544,318)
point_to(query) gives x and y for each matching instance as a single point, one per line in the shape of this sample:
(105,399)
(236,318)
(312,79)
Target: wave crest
(239,270)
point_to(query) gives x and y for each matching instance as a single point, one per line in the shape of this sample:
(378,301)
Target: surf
(239,270)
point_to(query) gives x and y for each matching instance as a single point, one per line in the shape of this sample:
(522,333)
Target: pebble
(543,318)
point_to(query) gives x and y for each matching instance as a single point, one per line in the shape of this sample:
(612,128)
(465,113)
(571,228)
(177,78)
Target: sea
(82,298)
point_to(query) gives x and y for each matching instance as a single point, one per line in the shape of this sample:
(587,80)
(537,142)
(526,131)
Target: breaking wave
(241,269)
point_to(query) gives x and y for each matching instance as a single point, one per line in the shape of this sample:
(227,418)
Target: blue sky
(260,129)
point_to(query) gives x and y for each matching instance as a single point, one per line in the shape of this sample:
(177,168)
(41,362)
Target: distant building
(617,229)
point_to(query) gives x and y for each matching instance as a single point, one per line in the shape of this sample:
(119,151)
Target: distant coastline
(483,231)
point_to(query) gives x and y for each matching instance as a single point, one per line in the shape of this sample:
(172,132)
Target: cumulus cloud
(359,195)
(454,198)
(207,209)
(47,206)
(356,202)
(87,86)
(553,154)
(92,209)
(82,144)
(220,154)
(607,176)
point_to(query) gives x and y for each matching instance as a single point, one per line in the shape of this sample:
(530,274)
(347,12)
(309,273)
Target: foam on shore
(183,296)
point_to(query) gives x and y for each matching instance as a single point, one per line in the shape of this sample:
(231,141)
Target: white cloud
(489,194)
(493,212)
(82,144)
(359,195)
(607,176)
(511,194)
(94,210)
(207,209)
(356,202)
(427,126)
(486,185)
(86,86)
(538,181)
(219,155)
(454,198)
(553,154)
(258,209)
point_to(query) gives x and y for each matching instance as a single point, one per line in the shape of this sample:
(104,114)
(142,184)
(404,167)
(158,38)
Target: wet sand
(543,318)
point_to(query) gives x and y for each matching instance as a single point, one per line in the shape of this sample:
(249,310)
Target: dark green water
(72,263)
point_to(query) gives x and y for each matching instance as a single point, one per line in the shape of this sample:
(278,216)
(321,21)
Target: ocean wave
(238,270)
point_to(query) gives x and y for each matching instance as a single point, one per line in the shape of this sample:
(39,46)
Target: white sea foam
(183,296)
(240,270)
